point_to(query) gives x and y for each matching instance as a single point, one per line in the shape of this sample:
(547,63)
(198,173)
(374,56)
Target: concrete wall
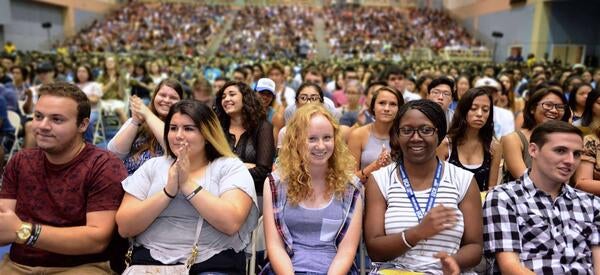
(21,19)
(4,12)
(515,24)
(25,29)
(83,18)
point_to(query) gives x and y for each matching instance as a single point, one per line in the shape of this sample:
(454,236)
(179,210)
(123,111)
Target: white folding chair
(99,130)
(257,244)
(15,121)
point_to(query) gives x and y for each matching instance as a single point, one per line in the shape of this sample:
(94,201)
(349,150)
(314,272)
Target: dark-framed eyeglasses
(548,106)
(306,98)
(424,131)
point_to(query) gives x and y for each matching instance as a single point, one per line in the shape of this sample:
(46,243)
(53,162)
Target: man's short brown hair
(64,89)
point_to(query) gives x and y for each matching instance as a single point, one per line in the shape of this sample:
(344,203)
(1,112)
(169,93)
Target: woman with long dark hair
(470,143)
(249,134)
(545,104)
(195,205)
(84,79)
(577,99)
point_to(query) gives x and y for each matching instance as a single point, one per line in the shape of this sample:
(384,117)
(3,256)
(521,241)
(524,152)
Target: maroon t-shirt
(61,196)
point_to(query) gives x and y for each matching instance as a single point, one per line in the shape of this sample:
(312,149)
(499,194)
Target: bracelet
(196,191)
(404,240)
(136,123)
(167,193)
(37,229)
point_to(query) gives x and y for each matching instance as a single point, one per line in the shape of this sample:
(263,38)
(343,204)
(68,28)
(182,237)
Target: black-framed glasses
(424,131)
(306,98)
(548,106)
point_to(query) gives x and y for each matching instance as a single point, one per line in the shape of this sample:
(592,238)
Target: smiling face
(164,99)
(232,100)
(321,140)
(555,162)
(541,114)
(416,148)
(479,112)
(307,95)
(183,133)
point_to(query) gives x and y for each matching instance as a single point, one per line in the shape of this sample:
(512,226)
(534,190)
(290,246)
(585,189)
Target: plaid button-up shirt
(550,236)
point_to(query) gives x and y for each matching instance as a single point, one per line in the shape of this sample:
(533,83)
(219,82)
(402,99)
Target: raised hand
(384,157)
(138,109)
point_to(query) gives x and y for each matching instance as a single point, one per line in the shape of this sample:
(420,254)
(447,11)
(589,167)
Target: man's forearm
(77,240)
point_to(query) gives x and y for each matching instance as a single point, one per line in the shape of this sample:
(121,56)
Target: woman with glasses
(545,104)
(249,134)
(370,144)
(422,214)
(313,204)
(470,143)
(307,93)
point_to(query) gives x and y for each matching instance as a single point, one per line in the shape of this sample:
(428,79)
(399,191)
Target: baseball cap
(45,67)
(265,84)
(487,81)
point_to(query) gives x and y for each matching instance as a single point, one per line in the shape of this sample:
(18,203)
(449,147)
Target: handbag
(164,269)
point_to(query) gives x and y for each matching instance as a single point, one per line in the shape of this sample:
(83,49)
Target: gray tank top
(313,231)
(372,150)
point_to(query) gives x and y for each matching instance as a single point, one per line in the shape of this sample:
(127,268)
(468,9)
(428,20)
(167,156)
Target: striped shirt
(400,215)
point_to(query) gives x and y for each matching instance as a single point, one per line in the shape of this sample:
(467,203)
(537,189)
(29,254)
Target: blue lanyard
(432,194)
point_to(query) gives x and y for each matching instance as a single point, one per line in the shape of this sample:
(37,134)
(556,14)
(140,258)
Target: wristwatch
(24,232)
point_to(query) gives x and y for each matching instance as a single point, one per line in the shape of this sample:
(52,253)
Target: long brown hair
(144,132)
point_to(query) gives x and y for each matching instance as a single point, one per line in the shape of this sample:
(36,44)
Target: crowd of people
(348,167)
(381,32)
(269,32)
(165,28)
(272,32)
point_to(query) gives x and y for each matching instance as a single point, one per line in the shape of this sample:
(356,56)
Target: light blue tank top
(372,150)
(313,231)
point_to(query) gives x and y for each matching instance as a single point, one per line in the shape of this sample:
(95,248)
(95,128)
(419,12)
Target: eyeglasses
(306,98)
(424,131)
(548,106)
(436,92)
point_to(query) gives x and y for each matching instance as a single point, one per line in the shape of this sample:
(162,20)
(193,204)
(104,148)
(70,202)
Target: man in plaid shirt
(538,224)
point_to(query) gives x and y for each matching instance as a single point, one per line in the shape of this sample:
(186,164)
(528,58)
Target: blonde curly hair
(293,163)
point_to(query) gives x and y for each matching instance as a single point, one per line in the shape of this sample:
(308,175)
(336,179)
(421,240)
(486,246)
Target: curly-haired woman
(312,204)
(249,134)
